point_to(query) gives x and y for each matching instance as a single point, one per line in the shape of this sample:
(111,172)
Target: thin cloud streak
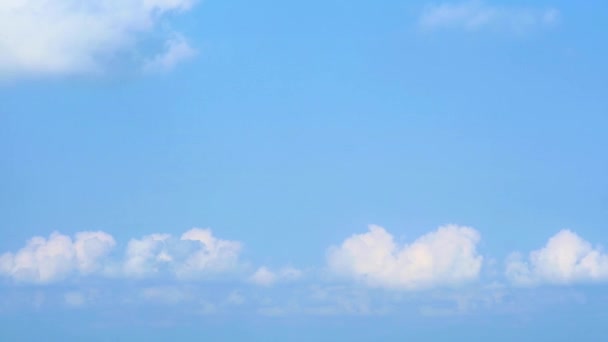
(475,16)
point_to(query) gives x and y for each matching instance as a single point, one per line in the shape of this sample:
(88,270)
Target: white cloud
(447,256)
(265,277)
(145,256)
(476,15)
(565,259)
(209,255)
(46,260)
(196,253)
(74,36)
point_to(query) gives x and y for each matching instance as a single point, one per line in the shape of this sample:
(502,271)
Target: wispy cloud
(75,299)
(477,15)
(263,276)
(169,295)
(177,50)
(42,37)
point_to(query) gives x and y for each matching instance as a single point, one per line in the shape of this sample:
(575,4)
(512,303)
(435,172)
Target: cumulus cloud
(73,36)
(45,260)
(266,277)
(476,15)
(209,255)
(145,256)
(446,256)
(565,259)
(196,253)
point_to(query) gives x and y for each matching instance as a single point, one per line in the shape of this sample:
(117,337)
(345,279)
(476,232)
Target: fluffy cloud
(74,36)
(265,277)
(195,254)
(446,256)
(46,260)
(145,256)
(565,259)
(475,15)
(209,254)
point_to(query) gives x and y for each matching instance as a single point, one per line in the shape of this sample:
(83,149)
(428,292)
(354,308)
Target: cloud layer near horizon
(447,256)
(74,37)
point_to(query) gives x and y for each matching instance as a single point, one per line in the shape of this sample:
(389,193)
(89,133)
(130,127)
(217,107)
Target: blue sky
(265,171)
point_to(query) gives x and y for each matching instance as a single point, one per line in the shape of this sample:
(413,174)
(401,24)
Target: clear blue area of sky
(299,123)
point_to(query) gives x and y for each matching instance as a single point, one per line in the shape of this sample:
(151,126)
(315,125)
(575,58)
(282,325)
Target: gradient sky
(466,131)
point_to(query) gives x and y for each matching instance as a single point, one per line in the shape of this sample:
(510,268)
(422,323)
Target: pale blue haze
(296,126)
